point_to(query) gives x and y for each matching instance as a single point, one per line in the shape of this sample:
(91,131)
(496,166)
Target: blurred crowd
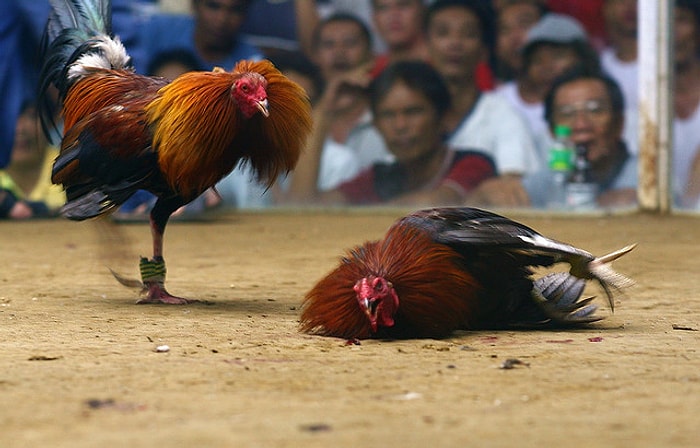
(415,102)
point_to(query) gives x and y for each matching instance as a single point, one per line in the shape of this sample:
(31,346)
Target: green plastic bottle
(561,161)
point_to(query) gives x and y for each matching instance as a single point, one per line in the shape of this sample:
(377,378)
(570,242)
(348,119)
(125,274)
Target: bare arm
(501,191)
(442,195)
(303,187)
(307,19)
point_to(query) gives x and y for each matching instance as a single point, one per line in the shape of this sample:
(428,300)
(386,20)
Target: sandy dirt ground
(79,365)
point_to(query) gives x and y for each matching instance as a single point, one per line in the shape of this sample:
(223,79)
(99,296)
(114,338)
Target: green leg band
(152,270)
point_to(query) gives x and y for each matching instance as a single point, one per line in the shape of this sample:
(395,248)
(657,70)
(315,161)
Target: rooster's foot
(156,293)
(559,297)
(153,276)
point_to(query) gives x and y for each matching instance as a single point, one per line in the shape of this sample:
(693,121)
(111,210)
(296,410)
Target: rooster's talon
(156,293)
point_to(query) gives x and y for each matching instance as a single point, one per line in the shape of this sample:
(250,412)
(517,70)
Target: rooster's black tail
(77,40)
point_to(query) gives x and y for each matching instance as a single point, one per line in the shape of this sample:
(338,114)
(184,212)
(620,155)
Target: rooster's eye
(244,88)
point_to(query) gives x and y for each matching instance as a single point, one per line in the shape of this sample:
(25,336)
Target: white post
(655,41)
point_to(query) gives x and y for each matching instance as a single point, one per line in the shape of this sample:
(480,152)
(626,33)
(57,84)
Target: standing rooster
(445,269)
(124,132)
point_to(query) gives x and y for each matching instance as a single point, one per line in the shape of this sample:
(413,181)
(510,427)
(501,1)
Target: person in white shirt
(686,105)
(342,140)
(619,60)
(458,38)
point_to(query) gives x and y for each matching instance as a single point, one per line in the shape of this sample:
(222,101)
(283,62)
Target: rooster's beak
(262,106)
(370,310)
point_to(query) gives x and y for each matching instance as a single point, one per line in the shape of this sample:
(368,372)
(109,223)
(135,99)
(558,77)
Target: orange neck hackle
(415,266)
(194,120)
(201,133)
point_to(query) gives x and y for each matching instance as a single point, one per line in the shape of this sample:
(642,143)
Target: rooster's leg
(153,270)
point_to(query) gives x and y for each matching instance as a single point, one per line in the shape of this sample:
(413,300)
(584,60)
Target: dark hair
(342,17)
(691,5)
(418,76)
(480,8)
(296,61)
(617,102)
(541,7)
(243,8)
(178,55)
(587,55)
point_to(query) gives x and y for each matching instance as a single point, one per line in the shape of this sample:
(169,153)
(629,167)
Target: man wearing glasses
(591,104)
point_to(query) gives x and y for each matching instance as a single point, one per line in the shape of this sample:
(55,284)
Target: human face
(218,21)
(399,22)
(454,39)
(584,106)
(686,36)
(408,122)
(621,16)
(30,143)
(514,21)
(549,61)
(341,47)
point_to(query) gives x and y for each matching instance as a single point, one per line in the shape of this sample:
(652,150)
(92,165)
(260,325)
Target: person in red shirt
(409,100)
(399,24)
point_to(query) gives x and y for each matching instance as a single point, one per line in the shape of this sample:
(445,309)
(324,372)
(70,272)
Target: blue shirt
(272,24)
(17,75)
(166,32)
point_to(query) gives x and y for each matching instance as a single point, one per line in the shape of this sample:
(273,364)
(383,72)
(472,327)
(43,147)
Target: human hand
(342,89)
(21,210)
(502,191)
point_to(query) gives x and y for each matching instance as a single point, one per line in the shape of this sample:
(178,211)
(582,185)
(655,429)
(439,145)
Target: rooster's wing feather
(106,153)
(473,231)
(492,244)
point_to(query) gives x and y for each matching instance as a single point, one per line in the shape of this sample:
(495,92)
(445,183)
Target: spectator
(342,135)
(686,101)
(554,45)
(399,23)
(457,36)
(409,101)
(212,33)
(515,18)
(592,105)
(619,59)
(362,9)
(26,190)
